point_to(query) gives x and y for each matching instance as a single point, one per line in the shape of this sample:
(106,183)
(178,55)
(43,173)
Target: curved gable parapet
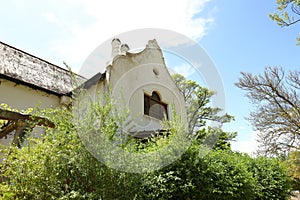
(135,77)
(125,62)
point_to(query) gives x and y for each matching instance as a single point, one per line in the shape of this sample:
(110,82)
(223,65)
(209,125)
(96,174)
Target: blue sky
(243,38)
(236,34)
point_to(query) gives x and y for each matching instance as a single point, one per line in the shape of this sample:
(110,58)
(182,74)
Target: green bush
(272,180)
(218,175)
(58,166)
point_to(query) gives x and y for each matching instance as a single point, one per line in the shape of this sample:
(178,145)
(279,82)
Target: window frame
(149,101)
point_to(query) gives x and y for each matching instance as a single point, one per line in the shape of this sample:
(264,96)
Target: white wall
(133,75)
(21,97)
(129,77)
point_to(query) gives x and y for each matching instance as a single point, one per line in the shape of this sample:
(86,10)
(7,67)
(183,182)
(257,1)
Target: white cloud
(248,145)
(110,18)
(184,69)
(51,17)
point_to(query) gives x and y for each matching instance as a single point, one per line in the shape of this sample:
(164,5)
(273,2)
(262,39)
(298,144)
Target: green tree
(271,177)
(293,163)
(287,14)
(216,138)
(276,98)
(199,109)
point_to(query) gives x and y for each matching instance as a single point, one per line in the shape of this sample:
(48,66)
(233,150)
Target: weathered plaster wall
(22,97)
(27,81)
(132,75)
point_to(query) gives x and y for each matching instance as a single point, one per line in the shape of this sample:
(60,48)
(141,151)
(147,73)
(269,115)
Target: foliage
(57,166)
(293,163)
(272,180)
(218,175)
(215,138)
(200,111)
(14,121)
(4,106)
(197,99)
(277,115)
(287,14)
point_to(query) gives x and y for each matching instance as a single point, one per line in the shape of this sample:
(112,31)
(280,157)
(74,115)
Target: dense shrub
(272,180)
(57,166)
(218,175)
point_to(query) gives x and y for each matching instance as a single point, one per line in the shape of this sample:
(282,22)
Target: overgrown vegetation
(276,96)
(58,166)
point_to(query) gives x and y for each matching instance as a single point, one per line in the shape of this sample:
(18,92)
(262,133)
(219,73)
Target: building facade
(138,81)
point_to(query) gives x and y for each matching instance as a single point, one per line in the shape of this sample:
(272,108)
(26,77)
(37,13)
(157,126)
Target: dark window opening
(153,106)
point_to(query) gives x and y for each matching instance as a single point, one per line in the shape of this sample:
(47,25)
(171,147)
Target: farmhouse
(139,81)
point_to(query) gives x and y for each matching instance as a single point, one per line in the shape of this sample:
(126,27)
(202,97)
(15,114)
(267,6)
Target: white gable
(133,76)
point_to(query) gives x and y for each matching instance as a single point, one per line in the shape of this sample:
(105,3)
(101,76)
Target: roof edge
(43,60)
(32,86)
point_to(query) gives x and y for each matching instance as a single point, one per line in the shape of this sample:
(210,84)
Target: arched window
(154,107)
